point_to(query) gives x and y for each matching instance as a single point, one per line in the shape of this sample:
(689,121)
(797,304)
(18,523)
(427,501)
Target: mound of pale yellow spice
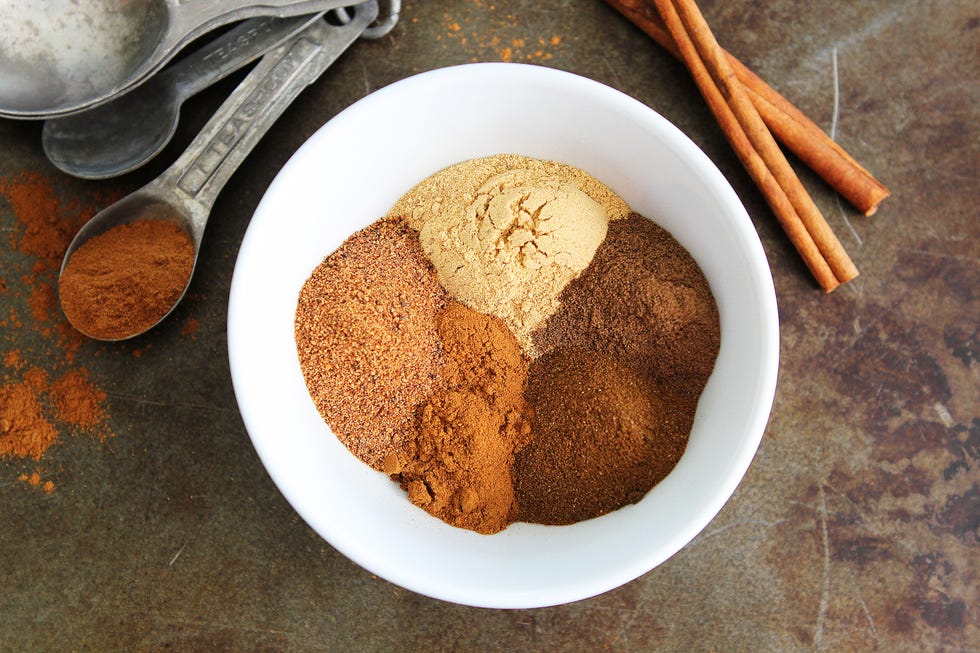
(507,233)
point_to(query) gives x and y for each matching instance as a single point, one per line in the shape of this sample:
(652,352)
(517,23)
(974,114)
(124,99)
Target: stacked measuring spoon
(98,134)
(59,57)
(123,133)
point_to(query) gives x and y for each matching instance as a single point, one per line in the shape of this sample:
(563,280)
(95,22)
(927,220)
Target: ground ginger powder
(507,233)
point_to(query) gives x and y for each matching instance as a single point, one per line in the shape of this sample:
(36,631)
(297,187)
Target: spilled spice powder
(42,302)
(44,396)
(25,432)
(34,479)
(485,37)
(48,223)
(77,401)
(189,327)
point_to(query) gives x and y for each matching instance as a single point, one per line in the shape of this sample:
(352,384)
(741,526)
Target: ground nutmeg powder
(366,336)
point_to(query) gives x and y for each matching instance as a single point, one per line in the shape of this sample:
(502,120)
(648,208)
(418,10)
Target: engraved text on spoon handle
(232,50)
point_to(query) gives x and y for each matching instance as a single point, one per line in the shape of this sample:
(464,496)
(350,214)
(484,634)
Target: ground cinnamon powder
(123,281)
(458,465)
(366,337)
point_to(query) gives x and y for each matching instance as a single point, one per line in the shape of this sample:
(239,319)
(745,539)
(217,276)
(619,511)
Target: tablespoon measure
(123,134)
(62,56)
(185,192)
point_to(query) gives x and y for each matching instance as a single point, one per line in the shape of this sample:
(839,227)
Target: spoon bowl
(56,54)
(131,303)
(59,57)
(99,149)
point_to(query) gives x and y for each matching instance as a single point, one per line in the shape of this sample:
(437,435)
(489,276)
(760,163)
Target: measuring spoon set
(118,120)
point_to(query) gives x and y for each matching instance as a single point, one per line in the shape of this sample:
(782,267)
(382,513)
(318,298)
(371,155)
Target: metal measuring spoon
(185,192)
(62,56)
(121,135)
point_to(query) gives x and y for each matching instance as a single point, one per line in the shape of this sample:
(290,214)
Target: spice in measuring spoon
(126,279)
(109,304)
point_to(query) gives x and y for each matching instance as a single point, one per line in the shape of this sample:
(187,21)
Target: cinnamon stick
(787,123)
(754,145)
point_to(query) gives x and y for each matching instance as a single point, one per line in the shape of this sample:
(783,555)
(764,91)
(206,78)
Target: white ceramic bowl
(349,174)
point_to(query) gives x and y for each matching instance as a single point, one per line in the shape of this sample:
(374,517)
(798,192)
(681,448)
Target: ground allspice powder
(604,434)
(123,281)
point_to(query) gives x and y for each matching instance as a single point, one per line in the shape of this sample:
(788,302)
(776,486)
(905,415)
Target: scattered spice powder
(36,343)
(366,337)
(123,281)
(25,432)
(483,35)
(47,222)
(190,326)
(34,479)
(77,401)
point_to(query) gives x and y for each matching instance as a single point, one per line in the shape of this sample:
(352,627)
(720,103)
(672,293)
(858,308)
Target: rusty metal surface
(856,527)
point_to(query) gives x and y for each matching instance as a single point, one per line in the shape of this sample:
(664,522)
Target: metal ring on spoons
(185,192)
(380,27)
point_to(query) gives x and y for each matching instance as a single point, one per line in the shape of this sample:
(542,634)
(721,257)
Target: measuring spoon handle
(201,172)
(230,51)
(189,19)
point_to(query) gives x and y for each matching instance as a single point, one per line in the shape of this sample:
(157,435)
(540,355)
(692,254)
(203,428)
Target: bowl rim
(764,390)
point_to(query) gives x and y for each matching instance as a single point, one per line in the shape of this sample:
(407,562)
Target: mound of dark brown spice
(625,360)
